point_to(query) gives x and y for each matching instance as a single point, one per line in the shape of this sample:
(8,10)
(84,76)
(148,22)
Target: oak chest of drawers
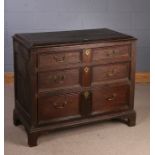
(71,78)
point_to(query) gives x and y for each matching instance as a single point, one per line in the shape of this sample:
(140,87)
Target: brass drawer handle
(111,98)
(87,51)
(113,53)
(111,73)
(57,78)
(60,105)
(86,69)
(59,58)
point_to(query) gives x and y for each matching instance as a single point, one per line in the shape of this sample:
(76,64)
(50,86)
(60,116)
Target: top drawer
(58,58)
(114,52)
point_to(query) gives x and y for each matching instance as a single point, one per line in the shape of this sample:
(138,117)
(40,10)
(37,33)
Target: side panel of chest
(22,79)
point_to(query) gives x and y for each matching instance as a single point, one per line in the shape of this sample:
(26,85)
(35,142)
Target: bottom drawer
(58,107)
(110,99)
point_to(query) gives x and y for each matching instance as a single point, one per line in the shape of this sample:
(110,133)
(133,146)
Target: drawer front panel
(109,99)
(111,52)
(58,106)
(109,72)
(59,58)
(55,79)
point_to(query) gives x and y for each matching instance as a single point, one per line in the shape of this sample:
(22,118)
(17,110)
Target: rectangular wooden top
(31,40)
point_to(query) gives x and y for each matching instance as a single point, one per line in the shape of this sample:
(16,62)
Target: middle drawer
(57,79)
(110,72)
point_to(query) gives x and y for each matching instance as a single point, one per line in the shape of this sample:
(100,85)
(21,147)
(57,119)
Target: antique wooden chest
(71,78)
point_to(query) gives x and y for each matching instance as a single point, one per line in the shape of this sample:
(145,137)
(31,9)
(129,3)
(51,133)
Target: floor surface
(108,138)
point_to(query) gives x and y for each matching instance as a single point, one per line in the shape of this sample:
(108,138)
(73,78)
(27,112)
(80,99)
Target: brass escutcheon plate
(86,94)
(86,69)
(87,51)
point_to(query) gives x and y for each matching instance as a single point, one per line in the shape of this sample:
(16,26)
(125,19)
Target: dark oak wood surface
(58,106)
(72,78)
(111,98)
(75,36)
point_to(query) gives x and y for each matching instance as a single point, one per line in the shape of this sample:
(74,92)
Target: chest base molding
(126,117)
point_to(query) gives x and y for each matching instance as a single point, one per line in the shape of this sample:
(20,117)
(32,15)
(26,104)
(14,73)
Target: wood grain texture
(47,60)
(112,53)
(109,72)
(111,98)
(58,106)
(57,79)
